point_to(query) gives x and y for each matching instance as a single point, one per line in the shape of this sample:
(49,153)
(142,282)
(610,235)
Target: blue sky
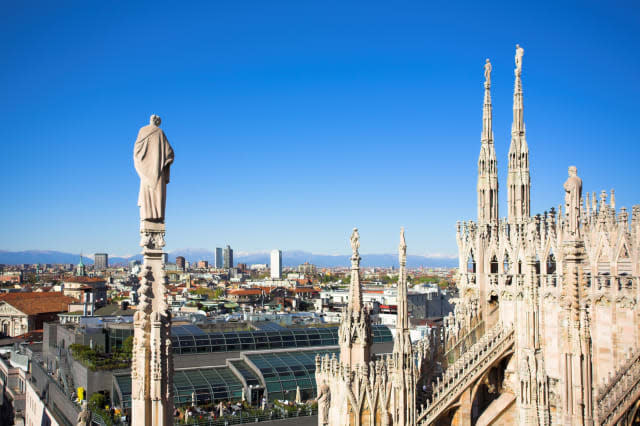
(294,121)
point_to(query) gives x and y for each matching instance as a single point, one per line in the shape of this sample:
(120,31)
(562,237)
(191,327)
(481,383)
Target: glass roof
(247,373)
(191,339)
(283,372)
(206,385)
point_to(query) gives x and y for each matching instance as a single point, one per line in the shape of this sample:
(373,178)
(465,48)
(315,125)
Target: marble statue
(84,416)
(519,54)
(487,73)
(572,196)
(152,157)
(355,241)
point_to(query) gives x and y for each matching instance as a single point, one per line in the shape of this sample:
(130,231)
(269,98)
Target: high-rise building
(203,264)
(219,259)
(180,262)
(165,258)
(228,257)
(101,261)
(276,264)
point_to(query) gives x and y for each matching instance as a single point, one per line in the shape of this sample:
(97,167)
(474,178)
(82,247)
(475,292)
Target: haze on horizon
(293,123)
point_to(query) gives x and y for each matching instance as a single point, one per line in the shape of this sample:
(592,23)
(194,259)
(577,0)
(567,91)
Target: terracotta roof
(244,292)
(83,280)
(32,303)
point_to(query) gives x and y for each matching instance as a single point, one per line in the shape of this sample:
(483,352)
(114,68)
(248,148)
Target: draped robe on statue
(573,194)
(152,157)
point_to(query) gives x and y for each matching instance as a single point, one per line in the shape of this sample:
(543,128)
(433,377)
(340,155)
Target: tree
(127,346)
(98,401)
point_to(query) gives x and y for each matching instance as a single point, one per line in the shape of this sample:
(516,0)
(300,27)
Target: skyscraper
(101,261)
(228,257)
(180,262)
(276,264)
(219,260)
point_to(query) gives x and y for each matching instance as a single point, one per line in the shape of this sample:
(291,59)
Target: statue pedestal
(152,366)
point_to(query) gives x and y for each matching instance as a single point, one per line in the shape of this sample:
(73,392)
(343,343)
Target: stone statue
(572,196)
(84,416)
(355,242)
(324,400)
(152,157)
(487,73)
(519,54)
(403,246)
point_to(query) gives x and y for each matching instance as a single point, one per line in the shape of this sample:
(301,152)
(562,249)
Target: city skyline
(357,127)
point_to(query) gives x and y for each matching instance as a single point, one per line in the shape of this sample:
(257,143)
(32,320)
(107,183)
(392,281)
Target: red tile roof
(83,280)
(244,292)
(32,303)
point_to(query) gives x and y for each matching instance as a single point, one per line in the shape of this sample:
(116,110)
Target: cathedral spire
(487,163)
(354,334)
(404,374)
(487,115)
(402,322)
(355,290)
(518,179)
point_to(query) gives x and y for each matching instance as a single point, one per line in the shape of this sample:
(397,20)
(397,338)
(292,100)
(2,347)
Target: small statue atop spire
(573,194)
(519,54)
(403,247)
(487,74)
(355,242)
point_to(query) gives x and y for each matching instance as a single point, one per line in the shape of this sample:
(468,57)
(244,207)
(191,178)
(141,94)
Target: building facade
(276,264)
(101,261)
(180,262)
(219,258)
(228,257)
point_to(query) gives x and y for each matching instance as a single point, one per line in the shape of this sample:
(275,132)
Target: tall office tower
(101,261)
(165,258)
(276,264)
(219,259)
(180,262)
(228,257)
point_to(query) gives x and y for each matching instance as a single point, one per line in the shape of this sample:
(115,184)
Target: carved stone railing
(621,391)
(454,347)
(471,365)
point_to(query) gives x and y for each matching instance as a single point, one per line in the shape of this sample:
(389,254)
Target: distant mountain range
(289,258)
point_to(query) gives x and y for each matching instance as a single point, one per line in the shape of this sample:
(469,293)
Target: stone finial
(613,199)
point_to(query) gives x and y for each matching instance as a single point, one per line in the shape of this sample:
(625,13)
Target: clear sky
(293,122)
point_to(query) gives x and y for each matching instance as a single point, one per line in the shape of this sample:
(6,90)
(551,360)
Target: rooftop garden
(95,359)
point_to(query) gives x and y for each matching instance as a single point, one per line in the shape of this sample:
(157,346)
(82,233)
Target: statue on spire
(519,54)
(487,73)
(403,247)
(355,242)
(573,194)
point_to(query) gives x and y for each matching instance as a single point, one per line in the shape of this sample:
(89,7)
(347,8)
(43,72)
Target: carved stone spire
(354,334)
(487,163)
(518,179)
(355,290)
(402,323)
(404,374)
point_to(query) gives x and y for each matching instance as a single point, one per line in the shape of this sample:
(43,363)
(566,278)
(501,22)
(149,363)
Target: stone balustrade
(620,391)
(467,368)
